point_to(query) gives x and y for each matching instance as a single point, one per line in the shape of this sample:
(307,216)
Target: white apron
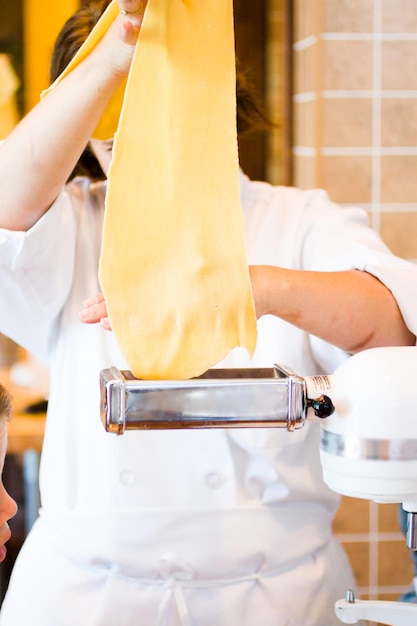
(155,586)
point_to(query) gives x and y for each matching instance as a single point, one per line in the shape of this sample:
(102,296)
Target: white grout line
(307,96)
(304,151)
(302,44)
(376,119)
(358,151)
(333,94)
(382,589)
(374,150)
(368,93)
(373,561)
(370,536)
(375,36)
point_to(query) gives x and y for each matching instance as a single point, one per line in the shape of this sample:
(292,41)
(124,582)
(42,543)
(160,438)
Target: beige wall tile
(304,70)
(305,172)
(347,178)
(395,56)
(358,555)
(399,16)
(347,64)
(399,179)
(346,122)
(399,121)
(394,564)
(388,518)
(305,123)
(352,516)
(304,19)
(348,16)
(399,231)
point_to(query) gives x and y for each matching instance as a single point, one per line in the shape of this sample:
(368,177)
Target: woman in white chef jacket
(201,528)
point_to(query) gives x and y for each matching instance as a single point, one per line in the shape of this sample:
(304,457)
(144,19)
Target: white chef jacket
(178,528)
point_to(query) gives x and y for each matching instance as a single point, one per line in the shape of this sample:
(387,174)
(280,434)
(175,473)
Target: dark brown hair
(72,35)
(250,114)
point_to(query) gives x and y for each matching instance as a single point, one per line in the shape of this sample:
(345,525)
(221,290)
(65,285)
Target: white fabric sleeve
(342,239)
(36,270)
(338,239)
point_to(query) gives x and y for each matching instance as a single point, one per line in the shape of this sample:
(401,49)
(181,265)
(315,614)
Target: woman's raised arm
(41,152)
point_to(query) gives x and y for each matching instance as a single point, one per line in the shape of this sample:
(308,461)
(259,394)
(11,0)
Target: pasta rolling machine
(368,425)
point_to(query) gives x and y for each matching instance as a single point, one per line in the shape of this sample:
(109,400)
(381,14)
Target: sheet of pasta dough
(173,265)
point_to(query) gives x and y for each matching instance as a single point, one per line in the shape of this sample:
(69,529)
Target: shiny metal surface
(220,398)
(411,534)
(353,447)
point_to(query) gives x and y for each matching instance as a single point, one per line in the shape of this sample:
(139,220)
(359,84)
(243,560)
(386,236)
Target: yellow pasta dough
(173,265)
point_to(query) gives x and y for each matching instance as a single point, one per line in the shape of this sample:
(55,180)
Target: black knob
(322,406)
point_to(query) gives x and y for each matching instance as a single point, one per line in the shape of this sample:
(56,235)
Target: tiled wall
(355,134)
(355,108)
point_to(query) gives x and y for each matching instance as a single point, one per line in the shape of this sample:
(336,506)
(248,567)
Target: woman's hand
(94,311)
(129,23)
(115,50)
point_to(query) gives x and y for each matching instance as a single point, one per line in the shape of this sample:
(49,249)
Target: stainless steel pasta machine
(367,411)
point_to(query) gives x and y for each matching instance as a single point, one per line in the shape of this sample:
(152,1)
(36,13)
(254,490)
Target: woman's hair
(5,404)
(250,114)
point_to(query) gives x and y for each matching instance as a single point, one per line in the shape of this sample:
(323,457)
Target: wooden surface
(25,431)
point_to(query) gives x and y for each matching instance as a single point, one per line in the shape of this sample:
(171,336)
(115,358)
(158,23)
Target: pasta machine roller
(220,398)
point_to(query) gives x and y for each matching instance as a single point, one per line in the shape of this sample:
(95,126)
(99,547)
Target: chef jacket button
(213,480)
(126,477)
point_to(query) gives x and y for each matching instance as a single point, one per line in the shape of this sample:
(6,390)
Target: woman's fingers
(131,15)
(132,7)
(94,311)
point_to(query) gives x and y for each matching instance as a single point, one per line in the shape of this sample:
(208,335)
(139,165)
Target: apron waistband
(176,575)
(180,550)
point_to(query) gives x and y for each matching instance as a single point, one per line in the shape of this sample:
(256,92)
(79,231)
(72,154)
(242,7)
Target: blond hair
(6,403)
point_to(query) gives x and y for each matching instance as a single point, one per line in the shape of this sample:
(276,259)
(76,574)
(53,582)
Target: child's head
(8,506)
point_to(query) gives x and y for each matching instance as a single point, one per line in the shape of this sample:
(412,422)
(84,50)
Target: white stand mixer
(368,443)
(368,450)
